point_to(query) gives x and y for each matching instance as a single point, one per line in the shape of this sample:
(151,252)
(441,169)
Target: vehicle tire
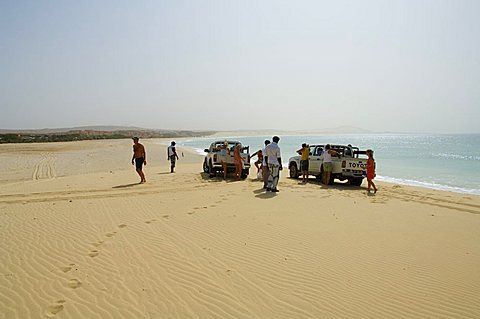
(244,173)
(211,171)
(356,181)
(205,166)
(294,171)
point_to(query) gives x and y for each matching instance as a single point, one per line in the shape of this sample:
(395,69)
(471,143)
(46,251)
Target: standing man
(265,172)
(139,158)
(304,153)
(172,156)
(274,161)
(327,163)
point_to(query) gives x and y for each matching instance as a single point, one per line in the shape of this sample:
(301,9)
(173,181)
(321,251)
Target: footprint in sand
(93,253)
(55,308)
(110,234)
(67,268)
(97,244)
(74,283)
(122,226)
(166,216)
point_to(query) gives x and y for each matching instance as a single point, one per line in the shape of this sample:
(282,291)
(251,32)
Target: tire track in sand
(45,168)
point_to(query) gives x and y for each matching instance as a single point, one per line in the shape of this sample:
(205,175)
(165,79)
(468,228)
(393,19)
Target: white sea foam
(430,185)
(200,151)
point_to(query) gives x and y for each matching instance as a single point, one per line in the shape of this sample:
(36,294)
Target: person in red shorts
(371,171)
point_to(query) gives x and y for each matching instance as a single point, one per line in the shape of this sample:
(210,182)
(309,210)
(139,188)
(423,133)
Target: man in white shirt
(172,156)
(274,161)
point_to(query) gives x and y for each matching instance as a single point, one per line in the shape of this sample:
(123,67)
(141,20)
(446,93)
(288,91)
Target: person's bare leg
(140,173)
(239,171)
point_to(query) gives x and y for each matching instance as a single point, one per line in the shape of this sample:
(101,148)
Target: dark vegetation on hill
(79,135)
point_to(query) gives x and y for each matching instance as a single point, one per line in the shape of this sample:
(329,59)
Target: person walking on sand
(274,161)
(265,172)
(238,161)
(327,163)
(172,156)
(304,153)
(139,158)
(370,171)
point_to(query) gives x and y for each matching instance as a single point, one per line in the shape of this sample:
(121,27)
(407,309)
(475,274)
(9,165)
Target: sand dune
(83,240)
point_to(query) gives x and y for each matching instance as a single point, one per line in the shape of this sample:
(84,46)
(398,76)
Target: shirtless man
(139,158)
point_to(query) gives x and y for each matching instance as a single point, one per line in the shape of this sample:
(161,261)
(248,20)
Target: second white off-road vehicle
(348,166)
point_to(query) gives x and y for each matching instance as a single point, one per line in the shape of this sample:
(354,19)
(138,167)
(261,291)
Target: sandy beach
(80,238)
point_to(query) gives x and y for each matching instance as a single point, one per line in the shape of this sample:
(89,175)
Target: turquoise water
(447,162)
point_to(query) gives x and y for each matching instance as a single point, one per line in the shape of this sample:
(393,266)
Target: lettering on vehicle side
(355,165)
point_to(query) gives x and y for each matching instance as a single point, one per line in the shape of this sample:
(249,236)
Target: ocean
(437,161)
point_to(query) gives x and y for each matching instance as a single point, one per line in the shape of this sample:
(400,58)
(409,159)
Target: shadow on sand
(126,185)
(219,178)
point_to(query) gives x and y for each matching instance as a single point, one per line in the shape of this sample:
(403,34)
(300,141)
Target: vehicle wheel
(294,171)
(356,181)
(244,173)
(211,171)
(205,166)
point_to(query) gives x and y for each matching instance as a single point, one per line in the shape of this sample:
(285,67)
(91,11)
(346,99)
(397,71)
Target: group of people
(269,164)
(139,157)
(237,159)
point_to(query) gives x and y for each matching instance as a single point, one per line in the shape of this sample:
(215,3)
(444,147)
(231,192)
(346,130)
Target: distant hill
(92,133)
(339,130)
(103,128)
(334,130)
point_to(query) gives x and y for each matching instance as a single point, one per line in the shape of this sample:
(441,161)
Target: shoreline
(157,159)
(393,180)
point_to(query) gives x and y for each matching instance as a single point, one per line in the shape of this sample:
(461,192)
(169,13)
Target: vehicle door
(316,159)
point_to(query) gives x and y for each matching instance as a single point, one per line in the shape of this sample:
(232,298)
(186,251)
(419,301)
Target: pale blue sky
(411,66)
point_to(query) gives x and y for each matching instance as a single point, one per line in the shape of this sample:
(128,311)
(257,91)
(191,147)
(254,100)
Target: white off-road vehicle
(348,166)
(217,154)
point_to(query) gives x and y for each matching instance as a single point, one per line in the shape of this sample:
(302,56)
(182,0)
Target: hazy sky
(410,66)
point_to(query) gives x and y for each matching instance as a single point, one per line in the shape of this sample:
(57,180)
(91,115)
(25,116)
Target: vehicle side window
(318,151)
